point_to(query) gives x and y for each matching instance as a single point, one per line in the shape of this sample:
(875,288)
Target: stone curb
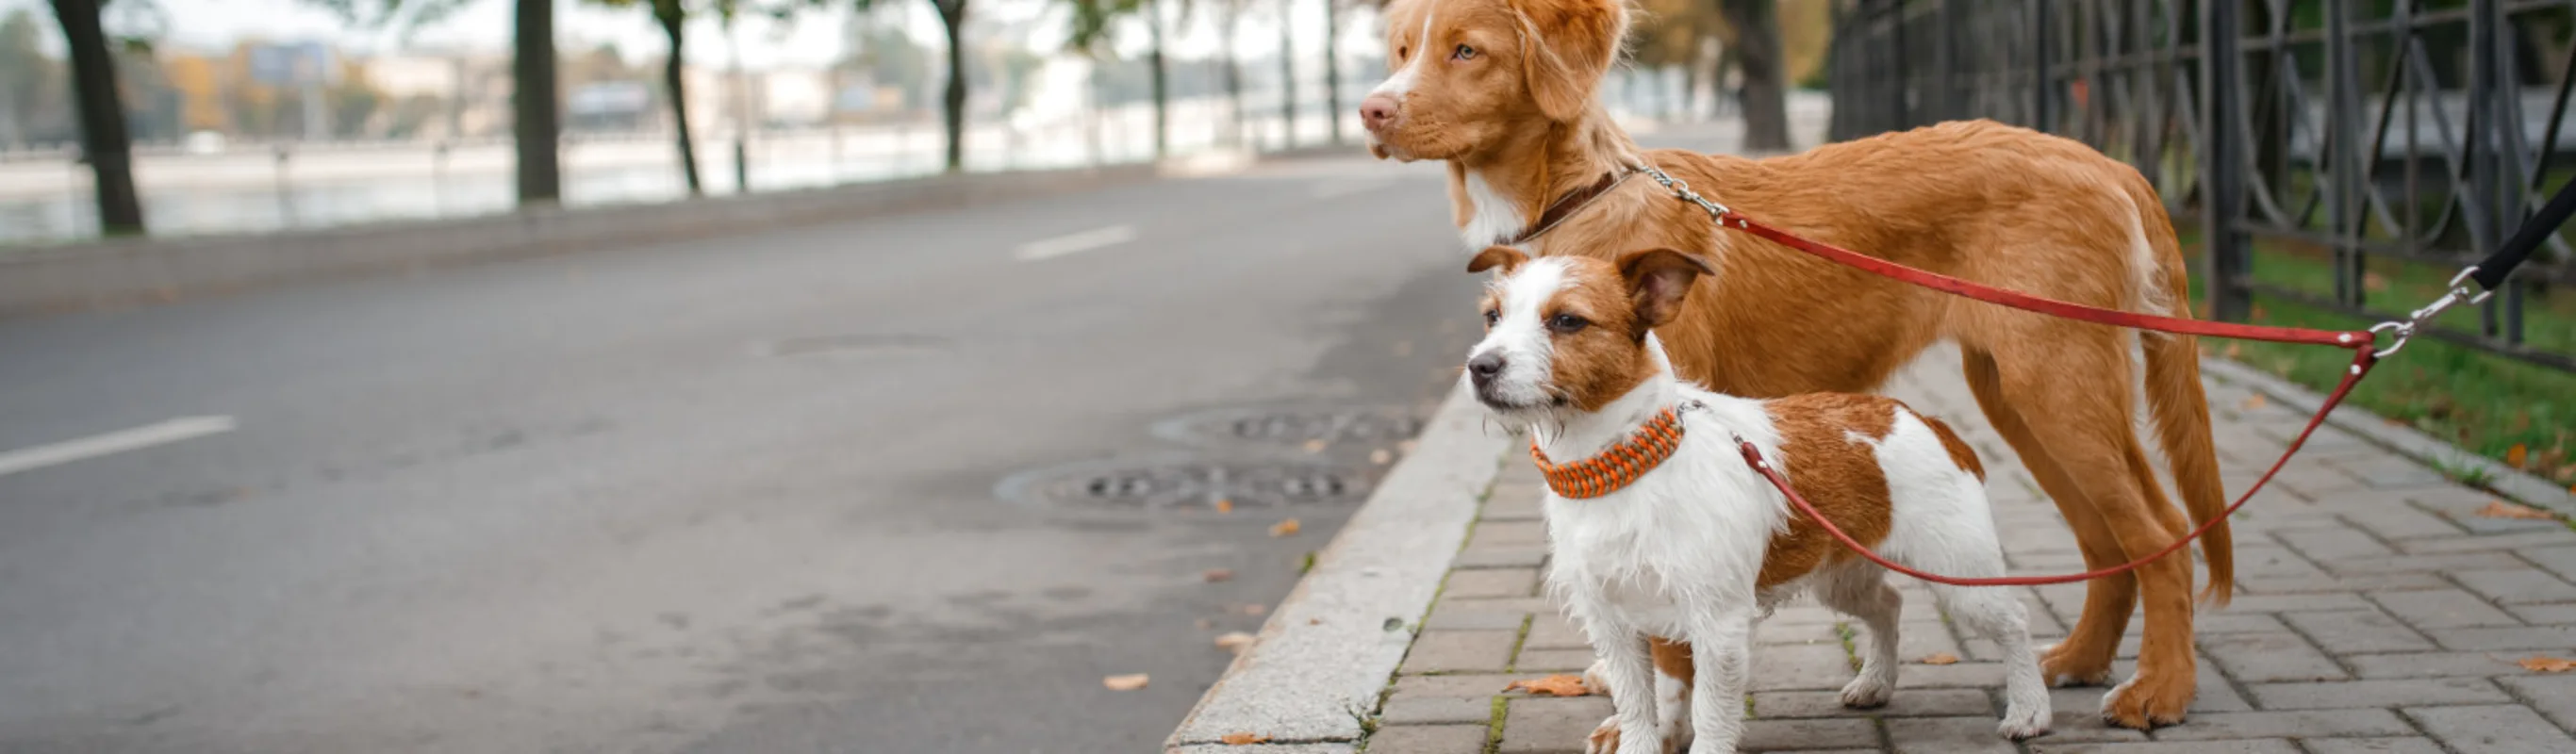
(142,271)
(1331,646)
(2401,439)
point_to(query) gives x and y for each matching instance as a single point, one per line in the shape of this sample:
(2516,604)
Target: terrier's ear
(1505,257)
(1657,280)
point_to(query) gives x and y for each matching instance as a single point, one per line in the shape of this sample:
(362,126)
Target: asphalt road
(724,496)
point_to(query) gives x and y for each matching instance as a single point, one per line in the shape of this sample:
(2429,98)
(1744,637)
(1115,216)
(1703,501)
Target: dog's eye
(1493,316)
(1566,323)
(1464,53)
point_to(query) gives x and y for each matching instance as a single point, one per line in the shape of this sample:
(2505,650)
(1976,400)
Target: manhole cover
(1363,426)
(1186,483)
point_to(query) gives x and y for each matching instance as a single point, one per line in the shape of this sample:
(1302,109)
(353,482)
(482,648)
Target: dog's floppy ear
(1505,257)
(1657,280)
(1567,45)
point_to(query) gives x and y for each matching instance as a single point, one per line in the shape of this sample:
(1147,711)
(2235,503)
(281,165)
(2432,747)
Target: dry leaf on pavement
(2252,402)
(1285,527)
(1243,739)
(1941,658)
(1214,575)
(1124,682)
(1234,640)
(1314,446)
(1225,505)
(1380,456)
(1255,609)
(2514,456)
(2547,664)
(1555,685)
(2502,509)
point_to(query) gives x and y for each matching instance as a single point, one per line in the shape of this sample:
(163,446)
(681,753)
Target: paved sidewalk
(2375,613)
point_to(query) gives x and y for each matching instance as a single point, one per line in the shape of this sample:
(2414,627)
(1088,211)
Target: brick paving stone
(2498,728)
(1429,710)
(2373,746)
(2557,638)
(2322,584)
(2393,519)
(1551,630)
(2288,724)
(1775,632)
(2291,603)
(2458,561)
(2076,717)
(2544,614)
(1962,675)
(1502,557)
(1800,735)
(2380,693)
(1428,739)
(1470,617)
(2430,665)
(2553,695)
(2259,561)
(2237,623)
(2462,506)
(1812,666)
(1508,534)
(2521,586)
(2242,746)
(1461,684)
(2536,538)
(1551,726)
(2387,475)
(2256,658)
(1448,651)
(1552,660)
(1908,703)
(1946,735)
(2442,608)
(2348,631)
(2558,560)
(1509,582)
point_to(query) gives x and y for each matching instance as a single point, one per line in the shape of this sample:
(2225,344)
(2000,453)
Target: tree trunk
(667,12)
(535,121)
(1287,78)
(1233,75)
(1333,66)
(1758,56)
(1162,103)
(952,15)
(104,143)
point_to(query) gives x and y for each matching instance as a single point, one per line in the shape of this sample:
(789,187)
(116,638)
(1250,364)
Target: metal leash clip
(2459,294)
(1682,191)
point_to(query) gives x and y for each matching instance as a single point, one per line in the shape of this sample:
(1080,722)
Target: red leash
(2360,342)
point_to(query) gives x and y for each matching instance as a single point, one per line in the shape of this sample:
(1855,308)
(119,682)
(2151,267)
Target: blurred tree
(1091,25)
(1287,73)
(536,109)
(104,141)
(1672,33)
(1754,46)
(29,82)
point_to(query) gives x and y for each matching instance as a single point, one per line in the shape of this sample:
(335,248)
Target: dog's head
(1463,73)
(1570,333)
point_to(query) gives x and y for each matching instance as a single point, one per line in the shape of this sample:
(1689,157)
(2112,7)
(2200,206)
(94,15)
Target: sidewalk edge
(1327,651)
(2505,480)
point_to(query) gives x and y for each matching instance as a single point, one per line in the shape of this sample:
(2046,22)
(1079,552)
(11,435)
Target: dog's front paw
(2023,723)
(2144,703)
(1604,739)
(2063,667)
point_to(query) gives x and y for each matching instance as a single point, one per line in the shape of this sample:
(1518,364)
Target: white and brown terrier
(1658,527)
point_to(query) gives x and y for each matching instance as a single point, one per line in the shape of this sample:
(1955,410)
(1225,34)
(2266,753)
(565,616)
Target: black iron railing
(2367,134)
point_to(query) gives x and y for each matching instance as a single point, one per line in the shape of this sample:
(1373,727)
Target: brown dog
(1503,91)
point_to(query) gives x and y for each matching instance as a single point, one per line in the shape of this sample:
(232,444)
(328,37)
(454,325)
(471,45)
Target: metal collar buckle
(2459,294)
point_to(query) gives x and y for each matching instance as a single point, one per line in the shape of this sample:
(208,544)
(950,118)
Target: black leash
(2491,271)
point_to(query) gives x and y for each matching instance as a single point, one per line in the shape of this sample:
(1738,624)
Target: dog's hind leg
(1998,615)
(2075,397)
(2084,657)
(1860,590)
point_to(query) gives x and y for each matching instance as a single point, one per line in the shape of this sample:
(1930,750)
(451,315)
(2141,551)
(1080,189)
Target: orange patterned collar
(1618,467)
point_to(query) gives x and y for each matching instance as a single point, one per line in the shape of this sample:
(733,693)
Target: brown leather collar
(1566,205)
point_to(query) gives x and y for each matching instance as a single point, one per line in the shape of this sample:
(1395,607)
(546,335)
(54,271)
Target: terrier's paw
(1866,692)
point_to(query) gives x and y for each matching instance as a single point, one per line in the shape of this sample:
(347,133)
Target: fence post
(2488,191)
(2222,169)
(2343,125)
(2039,100)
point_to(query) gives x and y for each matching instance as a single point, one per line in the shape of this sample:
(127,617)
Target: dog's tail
(2176,403)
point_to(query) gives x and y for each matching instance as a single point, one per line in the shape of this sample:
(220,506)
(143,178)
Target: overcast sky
(485,26)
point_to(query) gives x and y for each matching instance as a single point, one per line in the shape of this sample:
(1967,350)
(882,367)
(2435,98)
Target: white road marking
(1075,243)
(112,443)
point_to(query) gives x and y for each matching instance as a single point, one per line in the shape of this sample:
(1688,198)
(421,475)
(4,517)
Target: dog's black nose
(1485,366)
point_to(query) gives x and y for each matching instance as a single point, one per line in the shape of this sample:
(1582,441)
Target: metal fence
(2375,138)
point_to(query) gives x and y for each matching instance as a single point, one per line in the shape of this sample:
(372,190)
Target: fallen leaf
(2252,402)
(1285,527)
(1243,739)
(1124,682)
(2547,664)
(1555,685)
(1314,446)
(2372,281)
(1255,609)
(1204,624)
(1941,658)
(1314,621)
(2502,509)
(1380,456)
(1234,640)
(2514,456)
(1214,575)
(1225,505)
(2232,350)
(1406,446)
